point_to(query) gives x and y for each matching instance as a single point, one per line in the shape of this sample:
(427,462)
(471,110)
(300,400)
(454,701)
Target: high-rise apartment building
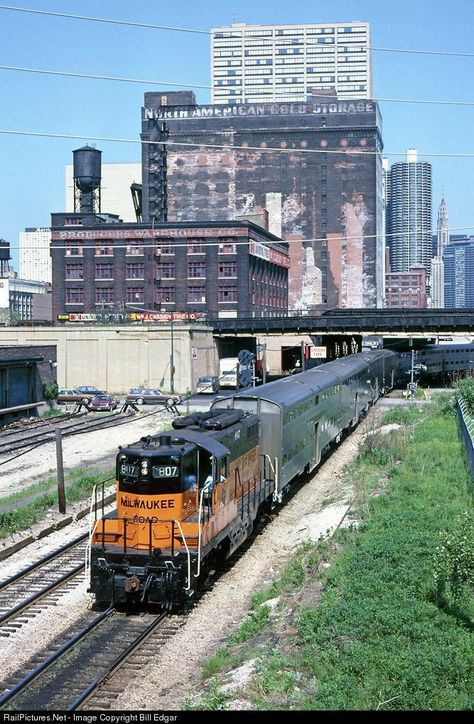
(264,63)
(35,258)
(409,208)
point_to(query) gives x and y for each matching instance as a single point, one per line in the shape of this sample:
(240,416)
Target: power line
(154,26)
(229,146)
(163,241)
(99,77)
(104,20)
(145,81)
(460,54)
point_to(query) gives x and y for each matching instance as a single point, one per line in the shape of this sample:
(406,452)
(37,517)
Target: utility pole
(172,353)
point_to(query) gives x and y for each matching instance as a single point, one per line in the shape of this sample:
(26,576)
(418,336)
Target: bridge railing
(466,422)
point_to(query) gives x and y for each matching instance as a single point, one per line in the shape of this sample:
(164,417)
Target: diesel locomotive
(188,498)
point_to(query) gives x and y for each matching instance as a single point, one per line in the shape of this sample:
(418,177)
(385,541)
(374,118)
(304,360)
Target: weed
(254,623)
(212,700)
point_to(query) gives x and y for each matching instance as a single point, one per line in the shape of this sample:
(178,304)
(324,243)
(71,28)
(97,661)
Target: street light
(172,370)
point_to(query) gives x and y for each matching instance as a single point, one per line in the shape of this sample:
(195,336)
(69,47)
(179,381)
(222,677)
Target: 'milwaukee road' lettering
(146,504)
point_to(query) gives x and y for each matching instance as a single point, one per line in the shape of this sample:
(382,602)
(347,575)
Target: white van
(228,367)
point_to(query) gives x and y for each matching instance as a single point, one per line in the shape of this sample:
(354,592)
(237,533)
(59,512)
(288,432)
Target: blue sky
(32,169)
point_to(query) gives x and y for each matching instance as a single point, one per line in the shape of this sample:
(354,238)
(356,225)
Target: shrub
(465,389)
(454,562)
(50,392)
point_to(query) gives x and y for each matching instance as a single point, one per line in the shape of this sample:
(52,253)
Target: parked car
(146,395)
(89,389)
(207,385)
(103,402)
(68,395)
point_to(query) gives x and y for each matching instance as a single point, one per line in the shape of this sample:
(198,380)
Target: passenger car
(103,402)
(69,395)
(90,389)
(147,395)
(207,384)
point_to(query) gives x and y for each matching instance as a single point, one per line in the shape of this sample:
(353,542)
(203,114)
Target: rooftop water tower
(87,176)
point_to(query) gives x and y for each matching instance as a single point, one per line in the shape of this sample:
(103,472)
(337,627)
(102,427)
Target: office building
(437,283)
(265,63)
(406,289)
(442,229)
(437,263)
(459,274)
(24,300)
(409,208)
(35,257)
(315,167)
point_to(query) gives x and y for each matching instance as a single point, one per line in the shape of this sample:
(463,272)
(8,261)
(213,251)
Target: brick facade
(287,158)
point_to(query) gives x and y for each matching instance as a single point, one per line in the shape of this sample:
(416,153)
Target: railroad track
(74,427)
(39,585)
(70,675)
(35,439)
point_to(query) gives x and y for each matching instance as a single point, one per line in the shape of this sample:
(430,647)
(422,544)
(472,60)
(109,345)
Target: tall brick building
(288,158)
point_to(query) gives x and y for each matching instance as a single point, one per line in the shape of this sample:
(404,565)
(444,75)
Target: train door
(356,408)
(316,456)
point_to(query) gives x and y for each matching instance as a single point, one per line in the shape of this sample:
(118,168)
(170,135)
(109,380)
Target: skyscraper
(459,273)
(409,209)
(442,228)
(263,63)
(437,264)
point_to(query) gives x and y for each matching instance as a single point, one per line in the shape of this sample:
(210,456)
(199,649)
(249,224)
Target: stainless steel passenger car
(303,414)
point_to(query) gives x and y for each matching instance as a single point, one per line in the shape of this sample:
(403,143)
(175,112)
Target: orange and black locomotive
(183,499)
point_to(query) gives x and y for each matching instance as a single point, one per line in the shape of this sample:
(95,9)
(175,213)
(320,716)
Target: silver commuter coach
(301,415)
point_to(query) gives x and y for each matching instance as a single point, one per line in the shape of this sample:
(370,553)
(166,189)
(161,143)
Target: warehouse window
(227,294)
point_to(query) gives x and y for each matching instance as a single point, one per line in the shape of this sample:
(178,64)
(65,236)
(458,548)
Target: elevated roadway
(352,321)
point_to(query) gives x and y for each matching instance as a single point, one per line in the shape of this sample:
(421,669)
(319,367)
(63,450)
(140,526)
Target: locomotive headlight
(144,467)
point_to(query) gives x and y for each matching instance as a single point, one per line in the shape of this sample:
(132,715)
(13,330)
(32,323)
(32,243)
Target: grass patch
(79,485)
(394,626)
(382,637)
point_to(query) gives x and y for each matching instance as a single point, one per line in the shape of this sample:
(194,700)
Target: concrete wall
(116,358)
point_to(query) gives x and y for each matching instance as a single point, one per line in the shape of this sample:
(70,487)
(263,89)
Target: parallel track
(39,582)
(69,676)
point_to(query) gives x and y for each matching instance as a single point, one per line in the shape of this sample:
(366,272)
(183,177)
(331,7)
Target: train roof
(291,389)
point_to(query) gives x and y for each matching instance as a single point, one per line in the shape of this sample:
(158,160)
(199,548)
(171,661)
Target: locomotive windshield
(150,475)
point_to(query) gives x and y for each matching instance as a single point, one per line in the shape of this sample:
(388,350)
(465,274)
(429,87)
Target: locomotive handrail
(198,571)
(88,551)
(187,588)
